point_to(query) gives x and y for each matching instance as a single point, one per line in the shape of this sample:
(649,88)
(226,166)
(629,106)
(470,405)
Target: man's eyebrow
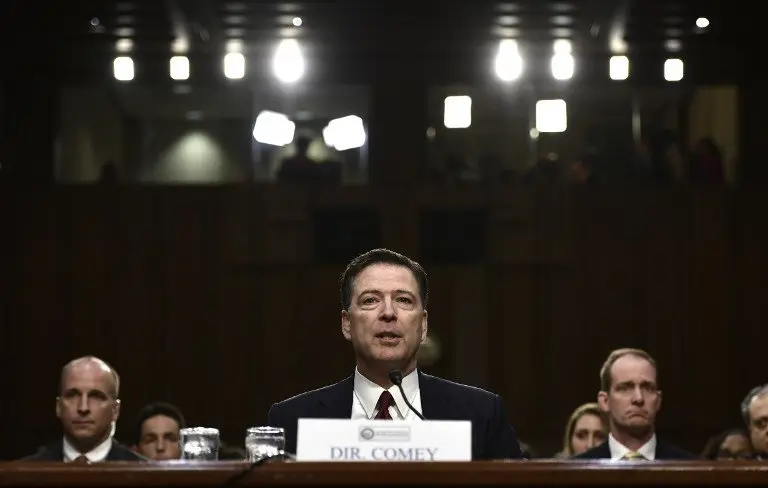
(368,290)
(408,292)
(378,292)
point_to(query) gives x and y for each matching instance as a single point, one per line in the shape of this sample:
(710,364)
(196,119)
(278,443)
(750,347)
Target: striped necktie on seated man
(385,401)
(633,456)
(81,459)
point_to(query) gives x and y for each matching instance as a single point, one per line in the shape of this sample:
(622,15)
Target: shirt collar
(95,455)
(618,450)
(369,392)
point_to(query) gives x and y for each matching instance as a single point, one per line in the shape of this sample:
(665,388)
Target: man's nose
(388,311)
(82,406)
(160,445)
(637,396)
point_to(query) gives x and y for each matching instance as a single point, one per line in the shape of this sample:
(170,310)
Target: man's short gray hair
(753,393)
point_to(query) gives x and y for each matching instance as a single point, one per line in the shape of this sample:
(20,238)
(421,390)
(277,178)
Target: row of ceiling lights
(288,62)
(289,66)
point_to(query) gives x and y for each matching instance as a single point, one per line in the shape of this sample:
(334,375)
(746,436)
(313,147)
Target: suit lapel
(115,452)
(54,451)
(337,400)
(662,451)
(435,404)
(605,451)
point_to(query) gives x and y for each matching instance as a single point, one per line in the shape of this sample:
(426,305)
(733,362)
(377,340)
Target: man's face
(87,406)
(386,321)
(634,398)
(159,438)
(758,423)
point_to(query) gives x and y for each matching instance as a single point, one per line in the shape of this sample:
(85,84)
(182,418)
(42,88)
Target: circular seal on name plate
(366,433)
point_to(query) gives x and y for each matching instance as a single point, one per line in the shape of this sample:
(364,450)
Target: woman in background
(586,428)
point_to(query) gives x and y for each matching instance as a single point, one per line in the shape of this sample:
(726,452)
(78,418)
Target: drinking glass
(263,442)
(199,443)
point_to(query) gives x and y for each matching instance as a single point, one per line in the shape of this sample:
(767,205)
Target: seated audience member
(586,428)
(754,411)
(631,398)
(384,317)
(731,444)
(87,406)
(158,431)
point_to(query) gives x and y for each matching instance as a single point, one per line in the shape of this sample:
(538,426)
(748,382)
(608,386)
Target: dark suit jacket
(664,451)
(492,436)
(55,452)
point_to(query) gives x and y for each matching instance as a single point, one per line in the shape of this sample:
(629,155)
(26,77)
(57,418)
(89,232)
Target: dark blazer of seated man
(384,316)
(630,397)
(87,406)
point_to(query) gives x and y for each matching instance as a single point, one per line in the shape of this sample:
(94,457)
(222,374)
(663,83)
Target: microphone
(396,377)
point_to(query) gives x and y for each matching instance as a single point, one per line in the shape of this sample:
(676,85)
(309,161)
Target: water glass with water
(264,442)
(199,443)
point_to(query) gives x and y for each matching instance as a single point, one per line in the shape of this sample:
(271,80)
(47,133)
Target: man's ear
(424,326)
(602,401)
(58,407)
(116,410)
(346,327)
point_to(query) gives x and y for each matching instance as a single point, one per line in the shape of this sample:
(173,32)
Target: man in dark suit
(384,316)
(87,406)
(754,411)
(631,398)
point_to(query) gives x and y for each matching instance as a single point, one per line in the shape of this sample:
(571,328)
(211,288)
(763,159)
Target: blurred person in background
(586,428)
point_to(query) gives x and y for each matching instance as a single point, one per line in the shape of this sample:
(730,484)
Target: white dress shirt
(96,455)
(618,450)
(366,395)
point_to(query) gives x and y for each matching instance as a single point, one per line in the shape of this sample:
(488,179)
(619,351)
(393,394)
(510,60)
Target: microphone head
(395,376)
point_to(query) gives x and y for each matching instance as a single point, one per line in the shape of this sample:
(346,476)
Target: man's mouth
(387,335)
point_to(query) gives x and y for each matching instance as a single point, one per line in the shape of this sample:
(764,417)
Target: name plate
(383,440)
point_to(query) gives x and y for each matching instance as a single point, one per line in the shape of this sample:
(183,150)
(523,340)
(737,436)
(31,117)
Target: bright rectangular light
(673,69)
(123,68)
(551,116)
(344,133)
(562,46)
(457,112)
(509,63)
(563,66)
(234,66)
(288,62)
(179,67)
(273,128)
(618,67)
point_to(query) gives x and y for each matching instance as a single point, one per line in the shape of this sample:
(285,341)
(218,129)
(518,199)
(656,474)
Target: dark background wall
(225,299)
